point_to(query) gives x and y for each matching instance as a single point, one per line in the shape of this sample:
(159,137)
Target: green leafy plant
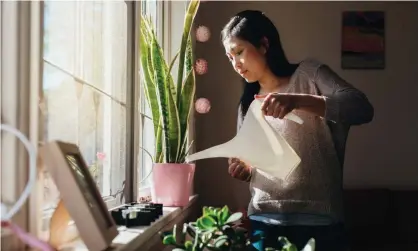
(219,229)
(170,102)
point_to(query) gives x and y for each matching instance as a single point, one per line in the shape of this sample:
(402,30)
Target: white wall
(383,153)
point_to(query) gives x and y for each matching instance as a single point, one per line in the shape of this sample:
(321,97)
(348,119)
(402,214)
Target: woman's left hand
(277,105)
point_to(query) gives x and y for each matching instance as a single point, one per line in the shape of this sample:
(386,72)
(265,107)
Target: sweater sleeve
(344,103)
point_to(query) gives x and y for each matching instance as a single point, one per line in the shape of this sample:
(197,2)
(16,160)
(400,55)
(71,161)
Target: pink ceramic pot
(172,183)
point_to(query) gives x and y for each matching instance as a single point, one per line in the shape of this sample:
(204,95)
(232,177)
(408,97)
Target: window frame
(22,46)
(131,119)
(133,126)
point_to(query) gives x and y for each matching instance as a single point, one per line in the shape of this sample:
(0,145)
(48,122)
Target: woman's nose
(237,64)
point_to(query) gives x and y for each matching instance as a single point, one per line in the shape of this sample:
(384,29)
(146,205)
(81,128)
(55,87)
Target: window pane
(85,53)
(148,8)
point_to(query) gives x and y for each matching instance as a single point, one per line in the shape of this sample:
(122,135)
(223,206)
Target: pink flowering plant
(94,168)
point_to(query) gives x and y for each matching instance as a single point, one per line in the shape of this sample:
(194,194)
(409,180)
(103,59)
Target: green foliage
(170,102)
(218,229)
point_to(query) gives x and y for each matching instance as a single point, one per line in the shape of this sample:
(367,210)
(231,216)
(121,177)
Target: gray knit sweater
(315,186)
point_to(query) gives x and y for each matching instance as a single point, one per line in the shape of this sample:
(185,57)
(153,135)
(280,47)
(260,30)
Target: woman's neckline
(285,88)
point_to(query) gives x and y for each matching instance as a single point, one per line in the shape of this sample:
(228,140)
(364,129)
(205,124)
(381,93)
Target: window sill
(145,237)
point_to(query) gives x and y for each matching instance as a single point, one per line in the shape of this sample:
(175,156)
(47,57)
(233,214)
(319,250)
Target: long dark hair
(253,26)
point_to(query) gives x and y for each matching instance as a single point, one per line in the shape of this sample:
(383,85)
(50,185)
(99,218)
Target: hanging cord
(32,172)
(6,216)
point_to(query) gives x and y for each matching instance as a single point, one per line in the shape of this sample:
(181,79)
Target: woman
(309,203)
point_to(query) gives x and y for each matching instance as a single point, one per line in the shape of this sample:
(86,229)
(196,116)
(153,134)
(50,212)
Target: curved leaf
(206,210)
(225,214)
(191,231)
(207,222)
(310,246)
(220,241)
(290,247)
(169,240)
(234,217)
(188,245)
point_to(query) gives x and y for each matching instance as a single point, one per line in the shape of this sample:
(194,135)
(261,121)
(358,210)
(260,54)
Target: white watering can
(258,145)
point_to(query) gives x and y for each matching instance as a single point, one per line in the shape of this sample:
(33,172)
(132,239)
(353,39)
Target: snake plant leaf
(159,143)
(172,85)
(188,21)
(186,102)
(173,128)
(148,79)
(169,82)
(189,55)
(167,105)
(159,77)
(146,38)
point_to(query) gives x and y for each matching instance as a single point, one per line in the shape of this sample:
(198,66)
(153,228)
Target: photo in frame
(79,194)
(363,40)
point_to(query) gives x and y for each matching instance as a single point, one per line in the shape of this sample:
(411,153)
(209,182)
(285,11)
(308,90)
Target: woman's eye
(240,52)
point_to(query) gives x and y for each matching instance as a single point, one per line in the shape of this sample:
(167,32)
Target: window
(86,89)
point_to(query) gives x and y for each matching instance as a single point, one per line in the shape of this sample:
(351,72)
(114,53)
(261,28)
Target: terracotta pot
(172,183)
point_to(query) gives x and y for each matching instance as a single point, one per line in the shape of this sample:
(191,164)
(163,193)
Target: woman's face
(247,60)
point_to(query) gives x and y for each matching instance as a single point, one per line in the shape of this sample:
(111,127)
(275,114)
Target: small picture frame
(79,194)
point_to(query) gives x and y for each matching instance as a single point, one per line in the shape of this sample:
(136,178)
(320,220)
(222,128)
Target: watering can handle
(290,116)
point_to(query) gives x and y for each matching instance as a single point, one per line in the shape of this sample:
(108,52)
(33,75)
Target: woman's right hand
(239,169)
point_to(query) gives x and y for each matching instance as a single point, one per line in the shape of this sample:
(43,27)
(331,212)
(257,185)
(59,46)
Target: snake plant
(170,102)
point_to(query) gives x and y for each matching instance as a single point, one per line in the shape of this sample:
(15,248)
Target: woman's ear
(264,45)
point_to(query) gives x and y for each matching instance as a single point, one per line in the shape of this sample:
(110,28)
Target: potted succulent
(171,105)
(219,229)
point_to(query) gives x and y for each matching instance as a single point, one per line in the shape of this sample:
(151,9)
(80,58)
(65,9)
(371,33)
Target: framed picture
(79,194)
(363,40)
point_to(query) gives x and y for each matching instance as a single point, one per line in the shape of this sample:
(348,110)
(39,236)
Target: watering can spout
(213,152)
